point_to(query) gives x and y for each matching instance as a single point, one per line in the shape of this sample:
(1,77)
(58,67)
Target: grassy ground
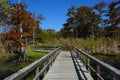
(34,55)
(8,67)
(112,59)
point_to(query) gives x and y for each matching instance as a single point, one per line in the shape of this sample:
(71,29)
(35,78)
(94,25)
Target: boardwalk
(62,69)
(67,67)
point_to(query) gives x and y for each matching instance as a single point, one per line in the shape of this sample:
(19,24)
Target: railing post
(52,58)
(37,71)
(45,69)
(98,70)
(83,60)
(88,61)
(114,78)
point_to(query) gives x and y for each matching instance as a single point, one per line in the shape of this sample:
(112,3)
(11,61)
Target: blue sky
(55,11)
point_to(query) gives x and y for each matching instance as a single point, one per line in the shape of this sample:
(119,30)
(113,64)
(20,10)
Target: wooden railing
(99,69)
(39,67)
(44,48)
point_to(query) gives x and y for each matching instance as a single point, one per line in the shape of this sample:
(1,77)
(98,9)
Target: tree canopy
(93,22)
(17,24)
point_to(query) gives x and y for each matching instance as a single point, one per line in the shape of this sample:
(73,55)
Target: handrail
(38,75)
(44,48)
(26,70)
(115,72)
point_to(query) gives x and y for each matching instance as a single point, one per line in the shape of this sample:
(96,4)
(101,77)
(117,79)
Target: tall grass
(103,45)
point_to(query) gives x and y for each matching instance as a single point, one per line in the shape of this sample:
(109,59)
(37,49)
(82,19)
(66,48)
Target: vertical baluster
(52,58)
(51,62)
(81,57)
(37,71)
(114,78)
(88,61)
(44,66)
(83,60)
(98,70)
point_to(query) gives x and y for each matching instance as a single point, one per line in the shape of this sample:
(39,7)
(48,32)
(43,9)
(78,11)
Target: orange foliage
(14,35)
(20,18)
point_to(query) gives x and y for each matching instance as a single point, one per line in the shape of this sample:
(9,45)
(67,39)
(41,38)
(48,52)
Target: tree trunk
(22,56)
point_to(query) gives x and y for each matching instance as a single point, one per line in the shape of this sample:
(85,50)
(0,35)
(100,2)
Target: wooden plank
(62,69)
(84,73)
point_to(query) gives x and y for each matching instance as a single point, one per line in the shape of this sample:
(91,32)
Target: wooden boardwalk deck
(62,69)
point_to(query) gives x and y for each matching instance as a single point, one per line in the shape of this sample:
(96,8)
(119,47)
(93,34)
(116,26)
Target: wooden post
(83,60)
(43,66)
(52,61)
(114,78)
(37,71)
(88,62)
(98,70)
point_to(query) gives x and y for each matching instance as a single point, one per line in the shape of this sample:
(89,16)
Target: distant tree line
(100,21)
(44,36)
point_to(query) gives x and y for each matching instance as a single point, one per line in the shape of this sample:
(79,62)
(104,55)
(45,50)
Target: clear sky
(55,11)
